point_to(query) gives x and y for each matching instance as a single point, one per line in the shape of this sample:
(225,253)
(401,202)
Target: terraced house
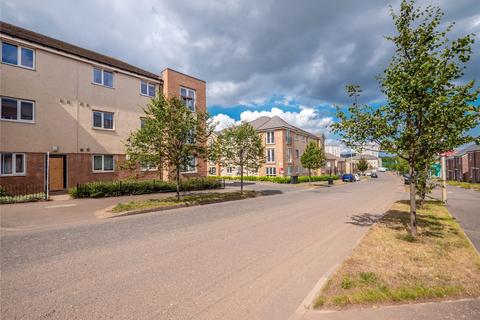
(79,106)
(284,146)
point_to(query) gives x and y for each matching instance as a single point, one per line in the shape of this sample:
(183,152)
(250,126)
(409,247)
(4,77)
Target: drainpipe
(47,176)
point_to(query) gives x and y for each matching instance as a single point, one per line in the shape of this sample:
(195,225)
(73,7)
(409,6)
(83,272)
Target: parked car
(357,177)
(406,178)
(368,174)
(374,175)
(348,177)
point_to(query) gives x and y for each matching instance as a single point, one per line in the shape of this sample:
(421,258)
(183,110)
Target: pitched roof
(52,43)
(330,156)
(275,122)
(470,148)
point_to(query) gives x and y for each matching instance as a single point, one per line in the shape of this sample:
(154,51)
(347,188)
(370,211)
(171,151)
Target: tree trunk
(413,205)
(177,178)
(309,176)
(241,180)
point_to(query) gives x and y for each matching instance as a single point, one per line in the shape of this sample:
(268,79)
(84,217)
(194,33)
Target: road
(249,259)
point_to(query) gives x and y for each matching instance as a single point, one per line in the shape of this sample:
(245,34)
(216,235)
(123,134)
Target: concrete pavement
(250,259)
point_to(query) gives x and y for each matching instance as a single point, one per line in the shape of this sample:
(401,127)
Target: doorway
(57,178)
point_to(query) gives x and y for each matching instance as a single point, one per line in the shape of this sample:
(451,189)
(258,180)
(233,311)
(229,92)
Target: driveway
(249,259)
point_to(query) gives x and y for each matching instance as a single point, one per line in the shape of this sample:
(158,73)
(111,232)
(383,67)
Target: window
(289,155)
(303,138)
(297,154)
(103,163)
(289,171)
(19,56)
(148,167)
(147,89)
(103,77)
(13,164)
(212,171)
(103,120)
(191,137)
(270,155)
(229,170)
(271,171)
(289,137)
(17,110)
(270,137)
(296,137)
(188,97)
(190,165)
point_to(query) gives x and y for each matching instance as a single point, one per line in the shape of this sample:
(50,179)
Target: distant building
(333,149)
(464,165)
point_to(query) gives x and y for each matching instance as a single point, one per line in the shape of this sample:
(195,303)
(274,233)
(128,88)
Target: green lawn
(390,266)
(189,200)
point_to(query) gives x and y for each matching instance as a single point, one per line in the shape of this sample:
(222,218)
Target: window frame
(288,136)
(229,170)
(270,151)
(19,56)
(194,97)
(271,169)
(102,84)
(267,137)
(190,171)
(103,120)
(14,164)
(19,110)
(297,154)
(148,83)
(103,163)
(289,155)
(148,167)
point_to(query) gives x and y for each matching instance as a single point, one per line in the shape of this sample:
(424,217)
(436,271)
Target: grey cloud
(244,49)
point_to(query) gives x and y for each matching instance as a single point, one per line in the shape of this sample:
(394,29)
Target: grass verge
(189,200)
(389,266)
(465,185)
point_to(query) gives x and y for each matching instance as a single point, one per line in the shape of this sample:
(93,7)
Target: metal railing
(22,192)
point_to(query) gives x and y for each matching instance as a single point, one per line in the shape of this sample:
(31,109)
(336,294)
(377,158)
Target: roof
(275,122)
(330,156)
(471,148)
(52,43)
(364,156)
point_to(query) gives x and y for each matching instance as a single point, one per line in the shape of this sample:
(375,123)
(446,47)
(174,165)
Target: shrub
(280,179)
(100,189)
(3,192)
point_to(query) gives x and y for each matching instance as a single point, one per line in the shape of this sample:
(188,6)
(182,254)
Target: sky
(286,58)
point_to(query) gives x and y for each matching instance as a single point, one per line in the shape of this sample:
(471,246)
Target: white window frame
(229,170)
(103,77)
(270,137)
(14,164)
(270,155)
(103,118)
(19,56)
(288,137)
(289,155)
(19,110)
(191,171)
(271,171)
(214,169)
(148,167)
(297,153)
(148,83)
(194,96)
(103,163)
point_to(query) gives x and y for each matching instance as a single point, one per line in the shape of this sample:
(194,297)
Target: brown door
(56,177)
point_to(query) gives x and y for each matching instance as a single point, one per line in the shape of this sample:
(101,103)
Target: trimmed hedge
(301,179)
(101,189)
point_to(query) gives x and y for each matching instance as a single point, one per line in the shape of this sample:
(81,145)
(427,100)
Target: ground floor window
(212,171)
(13,164)
(190,165)
(271,171)
(103,163)
(229,170)
(148,167)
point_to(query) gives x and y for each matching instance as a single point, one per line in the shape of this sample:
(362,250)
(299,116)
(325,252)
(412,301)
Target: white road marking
(61,206)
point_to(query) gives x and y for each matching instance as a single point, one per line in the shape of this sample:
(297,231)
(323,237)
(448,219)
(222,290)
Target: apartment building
(284,145)
(78,106)
(464,165)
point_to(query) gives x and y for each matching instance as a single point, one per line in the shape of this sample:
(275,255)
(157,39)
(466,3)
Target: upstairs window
(103,120)
(289,155)
(17,110)
(289,137)
(297,154)
(17,55)
(188,97)
(270,155)
(270,137)
(13,164)
(103,77)
(147,89)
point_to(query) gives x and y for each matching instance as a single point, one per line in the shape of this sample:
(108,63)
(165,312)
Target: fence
(24,192)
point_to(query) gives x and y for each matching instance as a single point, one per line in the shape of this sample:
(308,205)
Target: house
(334,165)
(464,165)
(351,162)
(284,145)
(79,106)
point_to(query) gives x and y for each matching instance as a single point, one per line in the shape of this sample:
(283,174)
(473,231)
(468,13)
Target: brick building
(79,106)
(464,165)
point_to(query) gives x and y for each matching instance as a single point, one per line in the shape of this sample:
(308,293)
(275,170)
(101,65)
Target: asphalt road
(249,259)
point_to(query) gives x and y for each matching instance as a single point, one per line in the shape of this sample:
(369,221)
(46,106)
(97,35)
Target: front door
(56,179)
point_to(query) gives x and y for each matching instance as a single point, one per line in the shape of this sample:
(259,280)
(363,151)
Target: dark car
(406,179)
(374,175)
(348,177)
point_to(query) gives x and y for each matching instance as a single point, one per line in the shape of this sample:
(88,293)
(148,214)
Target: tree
(239,146)
(428,109)
(362,165)
(170,137)
(312,158)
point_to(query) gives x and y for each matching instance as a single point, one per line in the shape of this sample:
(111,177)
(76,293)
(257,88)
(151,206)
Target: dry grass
(465,185)
(390,266)
(189,200)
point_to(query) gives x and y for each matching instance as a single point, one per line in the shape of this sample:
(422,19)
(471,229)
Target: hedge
(101,189)
(301,179)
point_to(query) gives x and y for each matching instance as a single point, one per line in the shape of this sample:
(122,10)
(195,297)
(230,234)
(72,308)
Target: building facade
(284,145)
(464,165)
(79,107)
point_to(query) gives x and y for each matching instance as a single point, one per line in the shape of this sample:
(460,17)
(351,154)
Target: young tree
(428,110)
(239,146)
(170,136)
(312,158)
(362,165)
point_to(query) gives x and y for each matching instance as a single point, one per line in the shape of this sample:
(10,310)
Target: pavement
(250,259)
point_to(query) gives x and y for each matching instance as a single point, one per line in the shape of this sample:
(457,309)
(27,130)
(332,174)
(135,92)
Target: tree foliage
(170,136)
(428,110)
(362,165)
(239,146)
(313,158)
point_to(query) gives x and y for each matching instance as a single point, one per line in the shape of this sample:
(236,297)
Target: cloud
(222,121)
